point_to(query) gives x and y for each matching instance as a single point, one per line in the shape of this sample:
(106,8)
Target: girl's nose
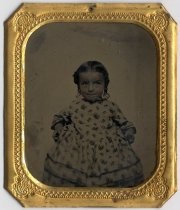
(90,87)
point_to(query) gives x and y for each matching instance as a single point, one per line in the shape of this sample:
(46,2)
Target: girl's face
(91,85)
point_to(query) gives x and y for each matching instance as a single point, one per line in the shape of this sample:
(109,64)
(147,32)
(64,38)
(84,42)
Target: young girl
(93,138)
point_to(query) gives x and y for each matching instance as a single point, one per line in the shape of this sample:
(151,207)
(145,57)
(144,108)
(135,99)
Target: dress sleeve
(62,117)
(121,120)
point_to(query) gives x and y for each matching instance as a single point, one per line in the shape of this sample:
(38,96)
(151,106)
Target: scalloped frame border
(19,182)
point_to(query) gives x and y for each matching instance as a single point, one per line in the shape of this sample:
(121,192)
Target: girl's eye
(98,82)
(84,83)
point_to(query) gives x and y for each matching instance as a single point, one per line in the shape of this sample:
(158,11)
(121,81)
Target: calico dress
(92,149)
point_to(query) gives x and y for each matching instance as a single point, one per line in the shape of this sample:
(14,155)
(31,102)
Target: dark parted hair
(95,66)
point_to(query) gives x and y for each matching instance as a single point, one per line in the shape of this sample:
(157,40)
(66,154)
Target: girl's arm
(59,121)
(57,131)
(63,118)
(126,127)
(129,135)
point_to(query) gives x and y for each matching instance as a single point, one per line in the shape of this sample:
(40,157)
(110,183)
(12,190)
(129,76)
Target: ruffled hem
(59,174)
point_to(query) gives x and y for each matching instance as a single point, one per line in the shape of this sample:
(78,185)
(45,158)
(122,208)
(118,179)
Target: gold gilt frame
(18,180)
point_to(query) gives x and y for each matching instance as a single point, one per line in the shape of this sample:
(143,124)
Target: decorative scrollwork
(23,187)
(24,20)
(158,20)
(158,188)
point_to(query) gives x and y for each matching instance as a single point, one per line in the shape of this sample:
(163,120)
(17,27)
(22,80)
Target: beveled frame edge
(18,181)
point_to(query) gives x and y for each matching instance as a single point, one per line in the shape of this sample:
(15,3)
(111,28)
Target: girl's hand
(57,131)
(129,135)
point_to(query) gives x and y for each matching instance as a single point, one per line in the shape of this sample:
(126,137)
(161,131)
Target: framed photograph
(90,105)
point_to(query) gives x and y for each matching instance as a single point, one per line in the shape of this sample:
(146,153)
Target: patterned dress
(92,149)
